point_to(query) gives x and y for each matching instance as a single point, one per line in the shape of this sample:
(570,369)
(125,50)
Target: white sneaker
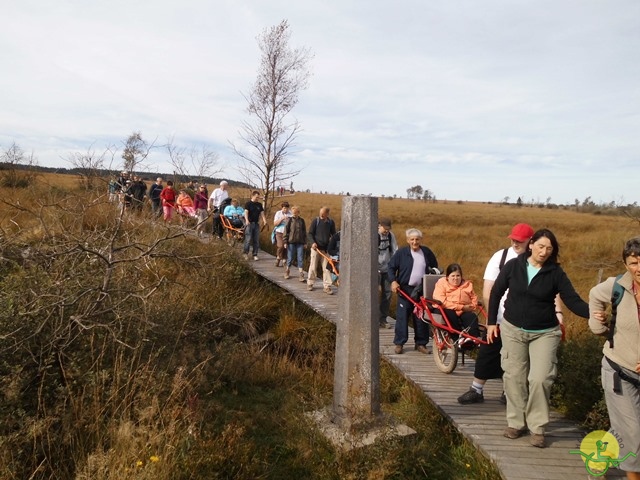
(245,256)
(255,258)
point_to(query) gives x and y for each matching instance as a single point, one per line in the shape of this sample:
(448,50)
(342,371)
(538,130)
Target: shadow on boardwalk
(482,423)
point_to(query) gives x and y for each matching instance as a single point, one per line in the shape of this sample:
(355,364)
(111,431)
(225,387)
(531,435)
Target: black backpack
(616,296)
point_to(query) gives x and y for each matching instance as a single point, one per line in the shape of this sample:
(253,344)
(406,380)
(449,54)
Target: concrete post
(356,392)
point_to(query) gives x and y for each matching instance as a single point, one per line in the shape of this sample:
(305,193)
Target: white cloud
(487,99)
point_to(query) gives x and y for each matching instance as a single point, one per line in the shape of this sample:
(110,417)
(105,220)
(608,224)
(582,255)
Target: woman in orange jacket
(458,300)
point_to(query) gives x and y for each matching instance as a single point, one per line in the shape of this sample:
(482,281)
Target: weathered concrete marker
(356,385)
(355,419)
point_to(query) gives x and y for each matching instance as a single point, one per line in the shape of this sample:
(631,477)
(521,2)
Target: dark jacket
(295,231)
(401,264)
(531,305)
(320,232)
(333,248)
(154,192)
(138,189)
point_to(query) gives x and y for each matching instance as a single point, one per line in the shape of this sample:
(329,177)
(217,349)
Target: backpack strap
(380,241)
(616,296)
(504,258)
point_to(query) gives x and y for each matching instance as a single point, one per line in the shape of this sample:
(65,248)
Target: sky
(472,100)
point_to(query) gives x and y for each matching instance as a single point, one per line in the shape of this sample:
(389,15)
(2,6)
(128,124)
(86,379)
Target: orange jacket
(454,298)
(184,200)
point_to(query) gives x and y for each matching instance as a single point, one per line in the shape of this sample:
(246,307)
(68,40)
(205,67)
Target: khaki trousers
(313,266)
(529,361)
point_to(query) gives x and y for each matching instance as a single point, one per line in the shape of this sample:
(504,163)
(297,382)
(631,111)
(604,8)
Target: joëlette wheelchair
(233,231)
(447,340)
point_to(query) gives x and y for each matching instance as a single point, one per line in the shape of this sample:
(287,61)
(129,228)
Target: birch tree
(268,137)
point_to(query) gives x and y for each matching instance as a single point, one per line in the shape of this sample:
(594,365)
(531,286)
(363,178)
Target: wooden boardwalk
(482,423)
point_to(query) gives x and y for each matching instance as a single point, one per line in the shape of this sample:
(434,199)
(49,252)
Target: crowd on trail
(524,287)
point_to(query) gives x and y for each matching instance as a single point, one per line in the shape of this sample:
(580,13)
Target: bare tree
(17,171)
(283,74)
(198,162)
(136,150)
(89,166)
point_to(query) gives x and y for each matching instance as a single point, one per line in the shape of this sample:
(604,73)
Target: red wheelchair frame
(446,349)
(234,234)
(332,266)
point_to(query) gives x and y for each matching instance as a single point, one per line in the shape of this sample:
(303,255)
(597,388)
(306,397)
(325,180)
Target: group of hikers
(525,289)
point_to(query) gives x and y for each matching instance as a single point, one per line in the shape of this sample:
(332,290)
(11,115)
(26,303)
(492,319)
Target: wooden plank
(481,423)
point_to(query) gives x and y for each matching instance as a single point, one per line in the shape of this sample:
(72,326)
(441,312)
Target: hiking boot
(471,396)
(286,273)
(422,349)
(398,349)
(514,433)
(327,290)
(301,277)
(503,398)
(277,262)
(537,440)
(309,286)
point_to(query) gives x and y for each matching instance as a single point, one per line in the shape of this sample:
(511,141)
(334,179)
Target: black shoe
(471,397)
(503,399)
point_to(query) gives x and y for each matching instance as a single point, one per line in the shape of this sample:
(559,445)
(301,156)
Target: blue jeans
(385,296)
(404,311)
(298,248)
(252,238)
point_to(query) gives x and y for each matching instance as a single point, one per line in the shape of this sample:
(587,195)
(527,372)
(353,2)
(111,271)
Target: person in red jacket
(168,198)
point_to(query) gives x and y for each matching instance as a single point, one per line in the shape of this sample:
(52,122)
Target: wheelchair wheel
(445,351)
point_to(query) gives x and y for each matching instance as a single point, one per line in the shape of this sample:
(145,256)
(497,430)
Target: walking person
(168,197)
(406,269)
(295,239)
(531,332)
(620,371)
(138,190)
(279,222)
(488,360)
(321,230)
(218,196)
(200,202)
(253,212)
(387,247)
(154,195)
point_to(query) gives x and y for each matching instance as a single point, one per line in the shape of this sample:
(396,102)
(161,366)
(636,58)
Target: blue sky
(471,100)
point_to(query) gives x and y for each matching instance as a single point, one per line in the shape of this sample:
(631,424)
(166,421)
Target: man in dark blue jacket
(406,269)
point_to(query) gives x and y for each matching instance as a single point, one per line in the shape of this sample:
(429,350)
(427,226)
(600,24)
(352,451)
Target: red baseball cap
(521,232)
